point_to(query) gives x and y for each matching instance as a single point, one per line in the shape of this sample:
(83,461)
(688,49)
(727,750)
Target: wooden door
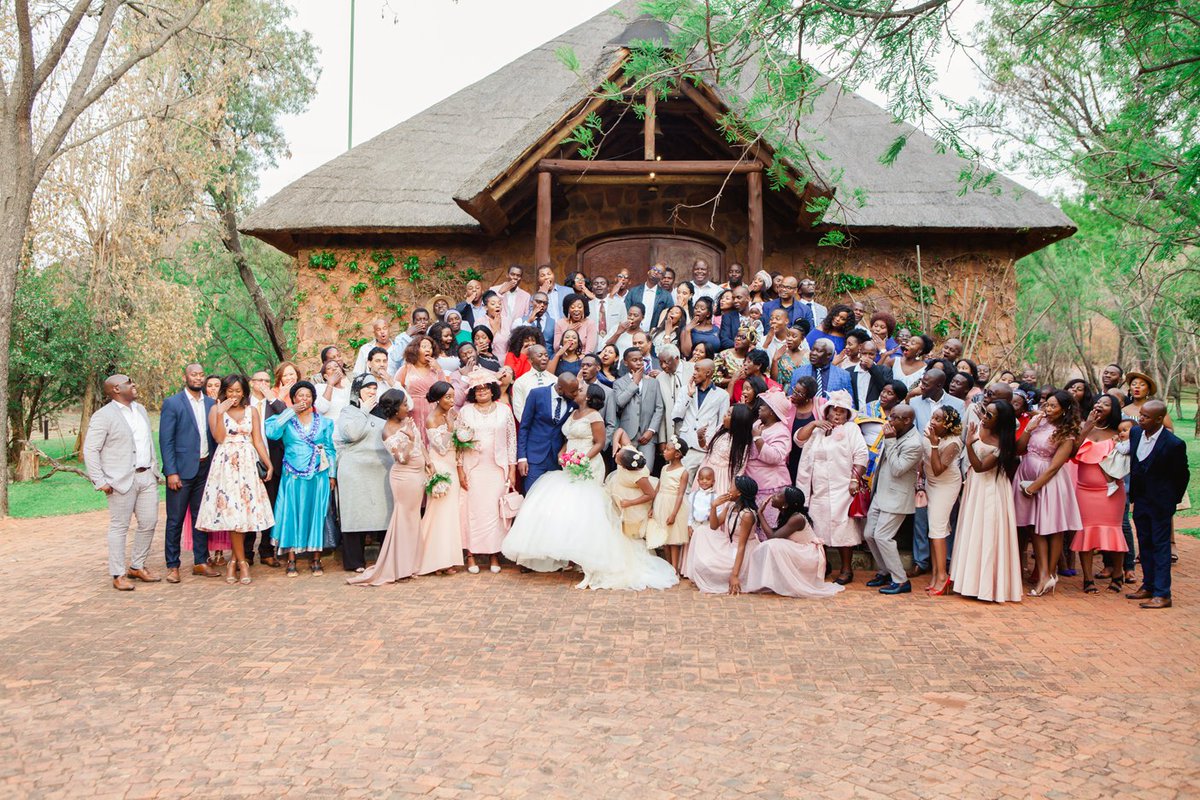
(638,251)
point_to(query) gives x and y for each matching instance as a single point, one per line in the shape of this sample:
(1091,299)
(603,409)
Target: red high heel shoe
(946,587)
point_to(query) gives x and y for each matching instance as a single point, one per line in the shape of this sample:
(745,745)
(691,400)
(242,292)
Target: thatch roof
(407,178)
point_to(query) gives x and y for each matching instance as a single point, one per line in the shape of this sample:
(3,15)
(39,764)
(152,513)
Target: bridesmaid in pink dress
(441,527)
(767,463)
(399,557)
(420,372)
(791,562)
(1100,511)
(722,550)
(1044,493)
(728,451)
(487,470)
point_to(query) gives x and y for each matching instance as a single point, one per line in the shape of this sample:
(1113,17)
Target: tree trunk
(90,403)
(233,243)
(16,199)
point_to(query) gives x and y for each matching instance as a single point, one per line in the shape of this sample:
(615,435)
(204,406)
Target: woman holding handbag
(487,470)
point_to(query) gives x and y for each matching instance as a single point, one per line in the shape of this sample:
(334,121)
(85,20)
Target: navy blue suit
(1156,486)
(540,436)
(179,440)
(662,302)
(730,322)
(797,311)
(835,379)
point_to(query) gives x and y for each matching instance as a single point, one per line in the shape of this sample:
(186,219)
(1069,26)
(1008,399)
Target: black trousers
(179,503)
(354,548)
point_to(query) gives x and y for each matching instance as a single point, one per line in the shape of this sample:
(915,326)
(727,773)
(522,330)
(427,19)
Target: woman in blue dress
(700,329)
(308,477)
(837,323)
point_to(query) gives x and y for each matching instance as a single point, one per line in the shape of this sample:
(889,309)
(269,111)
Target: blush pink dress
(985,563)
(441,527)
(486,466)
(824,477)
(712,552)
(1099,513)
(400,554)
(791,566)
(1054,508)
(416,384)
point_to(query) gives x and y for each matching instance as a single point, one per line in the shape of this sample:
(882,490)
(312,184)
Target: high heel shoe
(1047,588)
(229,577)
(944,589)
(244,575)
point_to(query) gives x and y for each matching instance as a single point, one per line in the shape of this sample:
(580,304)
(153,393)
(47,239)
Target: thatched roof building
(482,179)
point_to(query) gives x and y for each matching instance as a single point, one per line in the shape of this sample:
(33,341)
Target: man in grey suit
(673,377)
(118,452)
(589,370)
(639,404)
(700,410)
(895,485)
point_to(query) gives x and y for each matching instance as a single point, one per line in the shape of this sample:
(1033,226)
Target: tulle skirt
(564,520)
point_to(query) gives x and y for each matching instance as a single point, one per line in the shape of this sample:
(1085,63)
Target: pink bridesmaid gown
(441,527)
(399,556)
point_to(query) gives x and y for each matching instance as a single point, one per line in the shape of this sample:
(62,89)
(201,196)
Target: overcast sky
(411,53)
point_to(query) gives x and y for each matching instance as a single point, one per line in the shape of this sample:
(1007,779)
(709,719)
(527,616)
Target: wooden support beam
(642,180)
(483,207)
(541,246)
(558,166)
(754,255)
(648,124)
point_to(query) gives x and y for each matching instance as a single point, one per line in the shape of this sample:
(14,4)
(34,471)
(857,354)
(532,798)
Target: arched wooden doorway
(606,255)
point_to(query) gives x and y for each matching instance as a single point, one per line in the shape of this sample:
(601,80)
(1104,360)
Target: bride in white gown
(566,519)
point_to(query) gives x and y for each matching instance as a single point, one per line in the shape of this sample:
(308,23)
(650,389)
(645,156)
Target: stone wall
(343,287)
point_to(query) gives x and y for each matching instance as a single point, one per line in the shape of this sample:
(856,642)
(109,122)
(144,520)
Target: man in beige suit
(893,498)
(673,378)
(119,454)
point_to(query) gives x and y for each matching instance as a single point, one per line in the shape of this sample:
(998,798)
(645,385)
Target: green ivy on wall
(845,283)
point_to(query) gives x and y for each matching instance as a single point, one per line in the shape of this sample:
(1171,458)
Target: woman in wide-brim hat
(830,474)
(1142,387)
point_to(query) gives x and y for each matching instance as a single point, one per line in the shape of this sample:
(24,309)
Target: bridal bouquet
(438,485)
(575,465)
(463,438)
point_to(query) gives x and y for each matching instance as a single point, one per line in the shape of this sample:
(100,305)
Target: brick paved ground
(521,686)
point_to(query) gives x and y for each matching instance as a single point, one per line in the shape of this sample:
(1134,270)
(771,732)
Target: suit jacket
(838,378)
(730,322)
(637,414)
(109,451)
(662,302)
(468,313)
(545,325)
(1158,483)
(694,417)
(895,477)
(880,376)
(178,437)
(609,412)
(797,311)
(520,304)
(671,387)
(540,437)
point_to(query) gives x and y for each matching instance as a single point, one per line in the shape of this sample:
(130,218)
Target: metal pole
(350,110)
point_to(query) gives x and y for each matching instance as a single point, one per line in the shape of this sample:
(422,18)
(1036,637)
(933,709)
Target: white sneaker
(495,568)
(473,569)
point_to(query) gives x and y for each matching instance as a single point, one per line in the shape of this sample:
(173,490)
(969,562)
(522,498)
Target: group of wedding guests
(740,430)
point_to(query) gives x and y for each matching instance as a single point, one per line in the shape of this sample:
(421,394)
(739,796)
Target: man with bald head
(733,319)
(472,309)
(700,410)
(535,376)
(892,498)
(1158,479)
(187,446)
(118,451)
(952,349)
(540,435)
(381,333)
(820,367)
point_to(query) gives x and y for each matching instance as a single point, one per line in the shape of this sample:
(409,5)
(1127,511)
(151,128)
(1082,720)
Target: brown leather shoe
(144,575)
(206,571)
(1156,602)
(122,584)
(918,571)
(1140,594)
(173,575)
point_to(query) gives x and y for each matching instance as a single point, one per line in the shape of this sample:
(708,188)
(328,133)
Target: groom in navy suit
(540,436)
(1158,478)
(187,446)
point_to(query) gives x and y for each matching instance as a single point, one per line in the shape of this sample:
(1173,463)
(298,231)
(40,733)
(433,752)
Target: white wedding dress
(566,520)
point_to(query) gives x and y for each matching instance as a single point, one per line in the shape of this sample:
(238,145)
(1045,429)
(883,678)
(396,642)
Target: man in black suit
(867,378)
(1158,478)
(652,296)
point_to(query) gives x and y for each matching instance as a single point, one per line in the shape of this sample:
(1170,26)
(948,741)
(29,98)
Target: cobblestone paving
(517,685)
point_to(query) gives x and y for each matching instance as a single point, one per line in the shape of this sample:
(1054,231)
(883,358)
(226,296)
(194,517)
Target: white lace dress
(566,520)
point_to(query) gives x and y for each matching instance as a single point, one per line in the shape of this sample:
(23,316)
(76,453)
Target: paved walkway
(522,686)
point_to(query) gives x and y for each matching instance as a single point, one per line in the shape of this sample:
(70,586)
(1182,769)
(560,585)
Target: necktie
(557,409)
(538,375)
(820,382)
(603,317)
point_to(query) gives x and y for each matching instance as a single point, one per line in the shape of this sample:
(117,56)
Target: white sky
(411,53)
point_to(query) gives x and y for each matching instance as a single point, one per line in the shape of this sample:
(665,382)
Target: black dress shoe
(880,579)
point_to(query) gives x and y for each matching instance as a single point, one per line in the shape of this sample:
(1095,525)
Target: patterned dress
(234,498)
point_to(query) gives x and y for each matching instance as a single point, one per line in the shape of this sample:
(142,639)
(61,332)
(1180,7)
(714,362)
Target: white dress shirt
(612,311)
(819,311)
(649,295)
(143,447)
(862,380)
(1147,444)
(201,415)
(709,290)
(523,385)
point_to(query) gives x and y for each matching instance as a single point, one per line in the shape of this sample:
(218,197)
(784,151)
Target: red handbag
(860,503)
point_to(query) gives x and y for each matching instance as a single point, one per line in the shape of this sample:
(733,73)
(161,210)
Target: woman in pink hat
(767,463)
(830,474)
(488,469)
